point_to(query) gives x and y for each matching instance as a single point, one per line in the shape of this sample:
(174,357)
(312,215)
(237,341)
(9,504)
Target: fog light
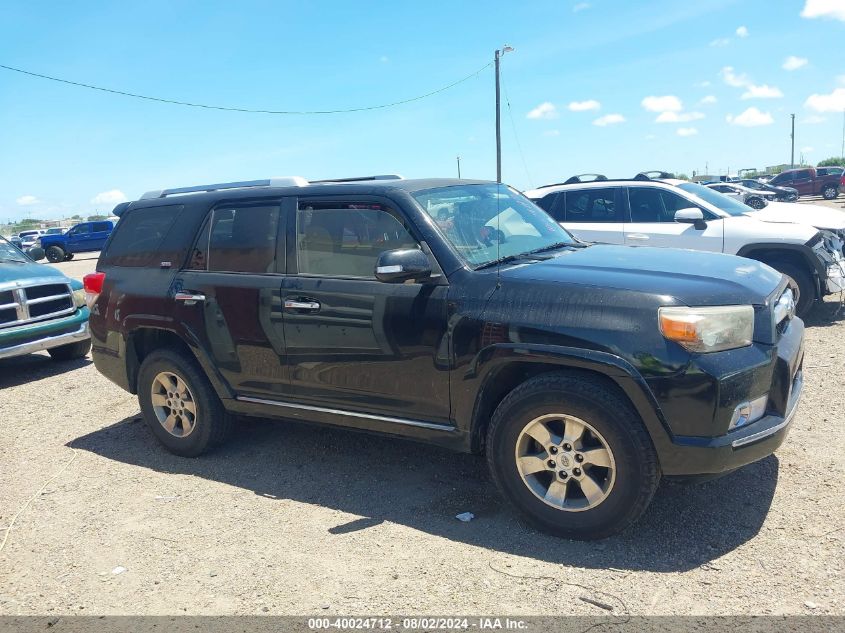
(749,412)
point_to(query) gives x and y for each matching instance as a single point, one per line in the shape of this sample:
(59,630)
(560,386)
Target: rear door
(592,214)
(100,232)
(355,344)
(80,238)
(652,222)
(229,295)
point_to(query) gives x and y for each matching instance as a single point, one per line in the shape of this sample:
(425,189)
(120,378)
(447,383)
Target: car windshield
(489,222)
(718,200)
(9,253)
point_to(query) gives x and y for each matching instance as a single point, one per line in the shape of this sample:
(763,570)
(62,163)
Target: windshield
(718,200)
(489,222)
(9,253)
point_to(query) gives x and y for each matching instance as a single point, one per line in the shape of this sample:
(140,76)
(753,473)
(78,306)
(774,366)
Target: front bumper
(835,281)
(75,329)
(702,455)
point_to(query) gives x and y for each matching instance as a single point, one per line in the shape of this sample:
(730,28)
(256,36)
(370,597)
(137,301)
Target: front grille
(28,302)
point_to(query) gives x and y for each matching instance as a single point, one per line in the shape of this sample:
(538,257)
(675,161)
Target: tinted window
(804,173)
(242,239)
(140,234)
(80,229)
(547,202)
(592,205)
(346,239)
(101,226)
(782,178)
(655,205)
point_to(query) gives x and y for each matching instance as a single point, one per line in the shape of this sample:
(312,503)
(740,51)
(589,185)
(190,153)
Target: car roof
(603,184)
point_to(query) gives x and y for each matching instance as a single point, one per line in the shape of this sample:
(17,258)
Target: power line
(515,135)
(247,110)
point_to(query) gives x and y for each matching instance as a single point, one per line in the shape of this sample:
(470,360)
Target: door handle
(302,304)
(188,298)
(637,236)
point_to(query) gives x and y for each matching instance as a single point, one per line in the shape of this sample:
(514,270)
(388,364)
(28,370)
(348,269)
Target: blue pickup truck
(84,237)
(40,309)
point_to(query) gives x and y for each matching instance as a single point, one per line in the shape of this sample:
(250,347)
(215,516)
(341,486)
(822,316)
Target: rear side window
(592,205)
(80,229)
(101,226)
(139,234)
(239,240)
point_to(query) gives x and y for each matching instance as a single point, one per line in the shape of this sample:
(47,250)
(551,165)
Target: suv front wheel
(179,404)
(573,456)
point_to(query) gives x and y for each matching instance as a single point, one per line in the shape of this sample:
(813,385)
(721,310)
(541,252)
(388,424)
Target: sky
(593,86)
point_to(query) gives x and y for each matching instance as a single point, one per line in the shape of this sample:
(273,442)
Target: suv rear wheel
(179,404)
(55,254)
(829,192)
(572,456)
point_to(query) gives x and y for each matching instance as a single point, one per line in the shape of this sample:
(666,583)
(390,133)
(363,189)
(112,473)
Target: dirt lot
(294,519)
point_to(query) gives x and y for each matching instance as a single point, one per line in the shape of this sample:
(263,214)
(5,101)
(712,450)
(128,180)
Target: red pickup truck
(809,182)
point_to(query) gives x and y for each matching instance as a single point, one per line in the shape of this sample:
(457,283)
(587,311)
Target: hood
(815,215)
(693,278)
(14,271)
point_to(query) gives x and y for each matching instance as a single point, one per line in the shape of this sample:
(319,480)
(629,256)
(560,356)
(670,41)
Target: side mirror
(692,215)
(394,267)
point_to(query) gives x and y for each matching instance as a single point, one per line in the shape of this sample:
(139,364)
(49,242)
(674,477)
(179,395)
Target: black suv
(453,312)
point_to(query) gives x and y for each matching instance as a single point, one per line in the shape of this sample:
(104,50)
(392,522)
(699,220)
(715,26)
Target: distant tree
(76,217)
(834,161)
(682,177)
(94,218)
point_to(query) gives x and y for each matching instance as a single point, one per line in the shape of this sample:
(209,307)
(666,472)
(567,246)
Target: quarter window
(592,205)
(242,240)
(140,235)
(346,239)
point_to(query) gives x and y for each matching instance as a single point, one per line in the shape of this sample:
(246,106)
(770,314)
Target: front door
(652,222)
(230,296)
(81,238)
(354,343)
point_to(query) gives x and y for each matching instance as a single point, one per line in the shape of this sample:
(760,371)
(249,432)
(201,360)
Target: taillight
(93,284)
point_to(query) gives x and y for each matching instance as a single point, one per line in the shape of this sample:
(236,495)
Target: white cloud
(807,149)
(678,117)
(719,42)
(813,119)
(581,106)
(545,110)
(752,117)
(609,119)
(794,63)
(580,6)
(112,196)
(834,102)
(666,103)
(742,31)
(27,201)
(752,91)
(824,9)
(761,92)
(687,131)
(551,133)
(709,99)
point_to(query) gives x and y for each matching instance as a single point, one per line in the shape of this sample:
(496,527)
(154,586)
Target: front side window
(485,223)
(9,252)
(101,226)
(592,205)
(240,240)
(724,203)
(655,205)
(82,229)
(345,239)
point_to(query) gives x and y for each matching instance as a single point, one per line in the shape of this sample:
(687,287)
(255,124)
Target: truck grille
(34,300)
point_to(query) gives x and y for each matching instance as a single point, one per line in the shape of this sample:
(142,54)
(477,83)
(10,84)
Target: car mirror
(402,265)
(692,215)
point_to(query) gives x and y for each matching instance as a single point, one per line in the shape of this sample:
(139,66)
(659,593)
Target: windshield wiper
(552,247)
(511,258)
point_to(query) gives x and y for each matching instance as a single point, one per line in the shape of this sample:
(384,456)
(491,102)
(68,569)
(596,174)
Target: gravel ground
(290,519)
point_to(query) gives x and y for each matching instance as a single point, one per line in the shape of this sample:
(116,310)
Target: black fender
(804,251)
(489,362)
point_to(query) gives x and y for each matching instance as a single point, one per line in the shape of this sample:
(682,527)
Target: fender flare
(803,250)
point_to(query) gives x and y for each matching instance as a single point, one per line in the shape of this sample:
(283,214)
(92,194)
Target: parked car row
(457,312)
(811,181)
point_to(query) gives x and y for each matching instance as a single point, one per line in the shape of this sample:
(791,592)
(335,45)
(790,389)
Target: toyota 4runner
(452,312)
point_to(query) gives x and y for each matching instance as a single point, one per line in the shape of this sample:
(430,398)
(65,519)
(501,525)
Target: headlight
(708,329)
(79,297)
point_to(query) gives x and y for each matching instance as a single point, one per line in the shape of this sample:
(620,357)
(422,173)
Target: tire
(803,286)
(68,257)
(756,202)
(554,401)
(829,192)
(191,434)
(71,351)
(55,254)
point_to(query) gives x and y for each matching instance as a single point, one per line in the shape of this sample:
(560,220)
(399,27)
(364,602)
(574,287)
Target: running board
(353,414)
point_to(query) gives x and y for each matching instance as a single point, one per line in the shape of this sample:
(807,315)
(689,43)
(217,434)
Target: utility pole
(496,56)
(459,166)
(792,136)
(843,135)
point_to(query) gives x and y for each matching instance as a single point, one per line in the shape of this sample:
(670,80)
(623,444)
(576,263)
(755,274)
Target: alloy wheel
(173,404)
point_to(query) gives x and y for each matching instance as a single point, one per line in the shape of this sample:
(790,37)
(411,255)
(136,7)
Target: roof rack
(653,175)
(576,179)
(282,181)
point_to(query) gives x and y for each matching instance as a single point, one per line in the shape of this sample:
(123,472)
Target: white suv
(676,213)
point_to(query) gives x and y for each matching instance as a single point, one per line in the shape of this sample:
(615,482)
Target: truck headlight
(708,329)
(79,297)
